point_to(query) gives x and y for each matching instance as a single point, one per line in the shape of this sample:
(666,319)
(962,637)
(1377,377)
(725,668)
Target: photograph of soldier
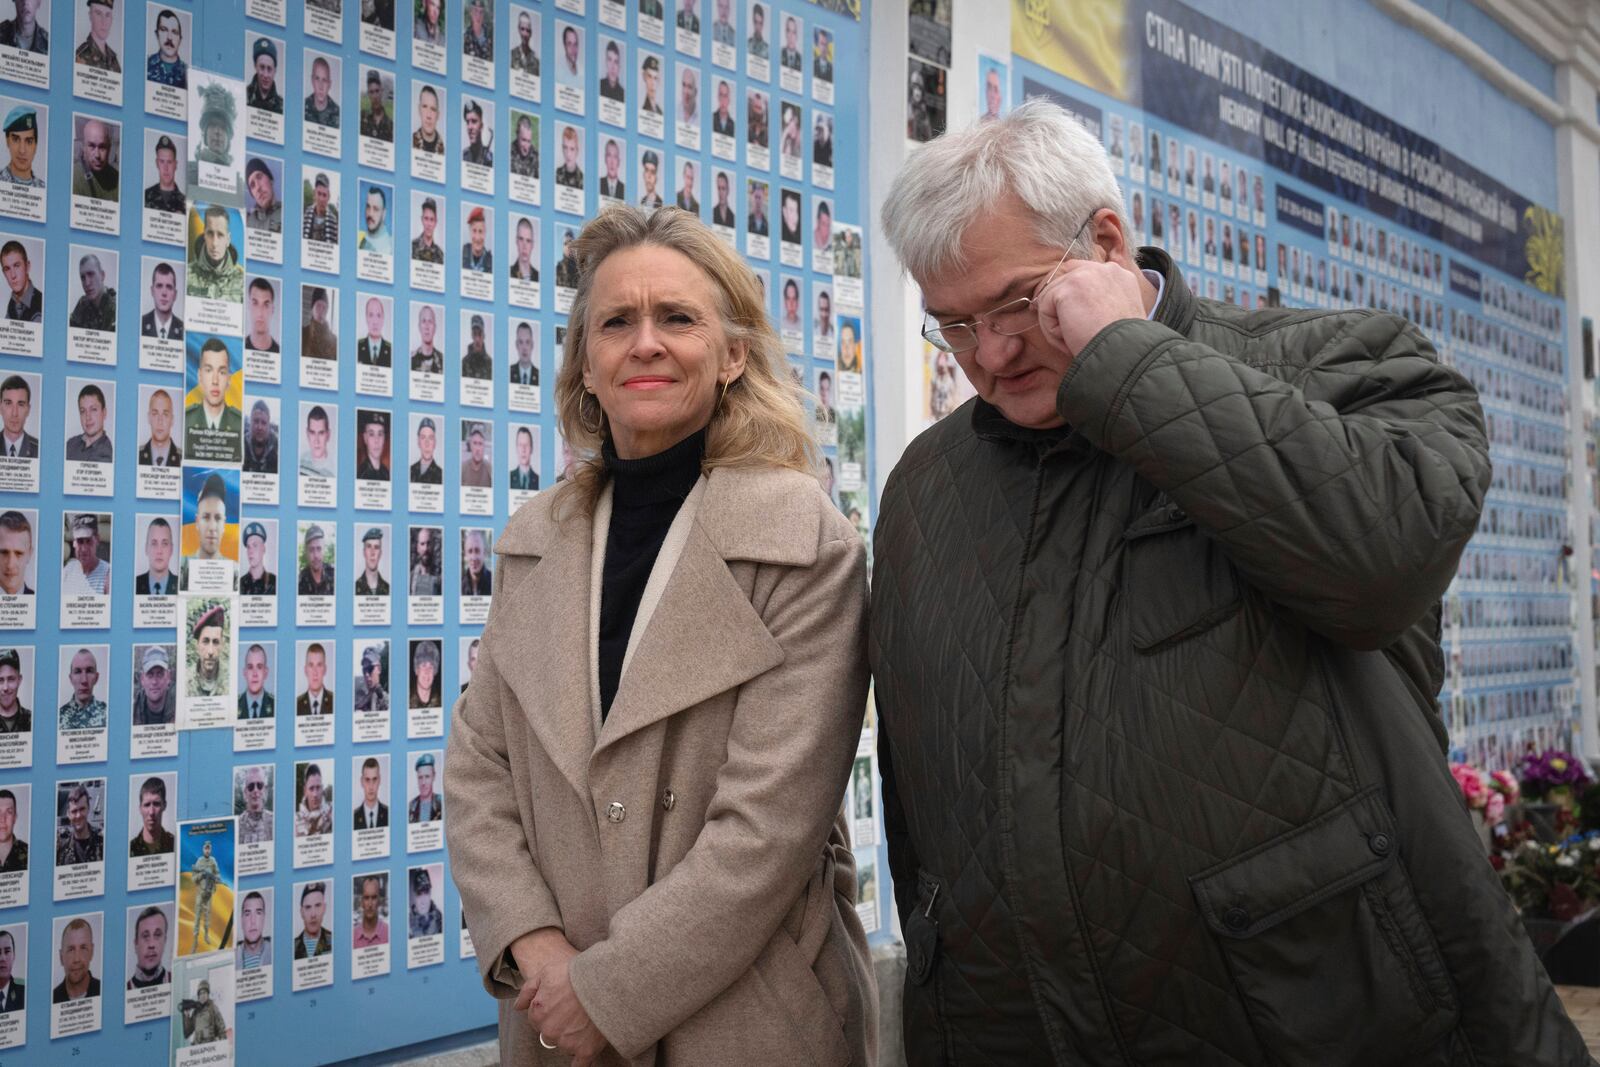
(96,49)
(253,945)
(822,229)
(314,806)
(476,468)
(524,145)
(612,87)
(87,566)
(428,137)
(216,271)
(261,303)
(15,718)
(789,216)
(478,139)
(722,211)
(263,92)
(757,45)
(525,53)
(22,146)
(13,858)
(476,564)
(26,301)
(319,221)
(476,255)
(425,917)
(790,140)
(255,698)
(650,78)
(822,55)
(822,139)
(83,710)
(371,581)
(477,31)
(261,442)
(16,405)
(317,339)
(426,561)
(569,71)
(97,147)
(372,687)
(252,800)
(471,664)
(374,349)
(316,572)
(427,358)
(525,268)
(80,822)
(567,265)
(426,806)
(756,223)
(687,187)
(649,175)
(157,578)
(377,107)
(755,118)
(203,1021)
(23,30)
(570,173)
(265,207)
(379,13)
(375,236)
(722,28)
(313,939)
(96,306)
(154,702)
(162,321)
(218,116)
(322,106)
(612,187)
(722,119)
(212,427)
(689,15)
(790,57)
(16,553)
(153,837)
(164,194)
(372,447)
(424,247)
(211,520)
(425,470)
(689,96)
(76,958)
(525,369)
(476,362)
(205,876)
(429,24)
(208,650)
(524,476)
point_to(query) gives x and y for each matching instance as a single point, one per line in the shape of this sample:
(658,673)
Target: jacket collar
(705,637)
(1176,312)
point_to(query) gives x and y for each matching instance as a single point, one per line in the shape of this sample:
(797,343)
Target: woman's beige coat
(695,853)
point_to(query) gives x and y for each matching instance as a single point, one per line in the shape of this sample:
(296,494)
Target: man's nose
(995,351)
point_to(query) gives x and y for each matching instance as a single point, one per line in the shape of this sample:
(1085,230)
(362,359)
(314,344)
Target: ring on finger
(544,1044)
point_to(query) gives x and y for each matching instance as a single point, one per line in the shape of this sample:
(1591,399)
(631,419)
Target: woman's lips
(647,383)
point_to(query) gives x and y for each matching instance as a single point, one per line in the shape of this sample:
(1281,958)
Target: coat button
(1380,843)
(616,812)
(1236,918)
(668,799)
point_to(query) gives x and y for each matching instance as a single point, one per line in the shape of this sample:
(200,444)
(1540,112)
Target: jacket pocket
(1327,945)
(1176,583)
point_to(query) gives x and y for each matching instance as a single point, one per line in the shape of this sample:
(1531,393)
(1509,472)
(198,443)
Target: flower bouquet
(1553,776)
(1556,889)
(1487,796)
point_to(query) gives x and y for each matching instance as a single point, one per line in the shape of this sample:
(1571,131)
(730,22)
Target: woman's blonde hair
(759,420)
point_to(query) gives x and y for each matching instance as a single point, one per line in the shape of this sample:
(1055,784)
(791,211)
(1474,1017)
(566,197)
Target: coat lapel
(540,648)
(704,639)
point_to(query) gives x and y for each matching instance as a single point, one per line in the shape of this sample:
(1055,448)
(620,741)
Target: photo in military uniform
(479,136)
(425,561)
(80,821)
(204,995)
(213,424)
(321,85)
(98,52)
(316,560)
(263,448)
(526,48)
(477,572)
(372,576)
(569,168)
(150,844)
(377,118)
(163,286)
(429,143)
(369,686)
(263,94)
(154,702)
(16,813)
(258,576)
(25,43)
(96,174)
(77,966)
(312,906)
(319,317)
(170,47)
(254,804)
(216,137)
(612,80)
(425,771)
(371,458)
(258,687)
(524,127)
(165,187)
(210,546)
(264,208)
(17,706)
(92,296)
(82,715)
(477,251)
(425,886)
(215,282)
(375,348)
(476,456)
(206,881)
(210,634)
(20,542)
(25,126)
(263,321)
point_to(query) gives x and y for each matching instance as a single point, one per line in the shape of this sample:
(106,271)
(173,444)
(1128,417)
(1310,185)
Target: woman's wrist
(534,947)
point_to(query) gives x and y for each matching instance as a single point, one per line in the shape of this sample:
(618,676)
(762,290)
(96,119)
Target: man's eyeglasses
(254,787)
(1007,320)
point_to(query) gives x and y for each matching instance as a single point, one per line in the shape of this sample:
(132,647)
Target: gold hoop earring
(600,418)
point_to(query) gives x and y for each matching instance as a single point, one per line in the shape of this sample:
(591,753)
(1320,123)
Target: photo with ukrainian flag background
(205,885)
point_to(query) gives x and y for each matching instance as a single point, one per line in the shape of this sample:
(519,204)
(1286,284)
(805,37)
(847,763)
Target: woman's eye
(679,318)
(613,321)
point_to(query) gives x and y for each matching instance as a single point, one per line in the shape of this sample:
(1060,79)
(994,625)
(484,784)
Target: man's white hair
(1038,152)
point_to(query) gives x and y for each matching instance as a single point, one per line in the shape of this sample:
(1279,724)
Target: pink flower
(1506,783)
(1470,781)
(1495,809)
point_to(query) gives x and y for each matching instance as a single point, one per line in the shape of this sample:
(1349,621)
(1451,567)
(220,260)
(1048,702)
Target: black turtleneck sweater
(645,497)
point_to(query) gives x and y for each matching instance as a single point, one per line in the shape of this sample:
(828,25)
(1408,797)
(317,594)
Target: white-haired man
(1154,639)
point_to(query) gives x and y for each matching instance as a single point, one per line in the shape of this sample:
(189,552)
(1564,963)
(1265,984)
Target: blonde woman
(647,770)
